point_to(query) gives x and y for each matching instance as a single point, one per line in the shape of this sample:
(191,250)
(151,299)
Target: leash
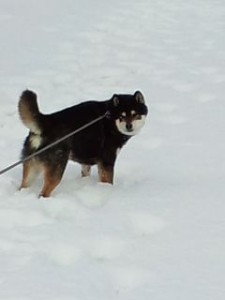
(54,143)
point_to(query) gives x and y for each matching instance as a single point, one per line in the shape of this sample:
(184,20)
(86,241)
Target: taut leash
(54,143)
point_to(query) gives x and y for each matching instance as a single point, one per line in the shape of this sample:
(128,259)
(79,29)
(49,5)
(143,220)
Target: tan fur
(104,174)
(31,169)
(51,180)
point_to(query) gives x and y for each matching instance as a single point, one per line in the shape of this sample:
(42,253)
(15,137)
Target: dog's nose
(129,127)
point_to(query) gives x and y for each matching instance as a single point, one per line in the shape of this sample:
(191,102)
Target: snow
(159,232)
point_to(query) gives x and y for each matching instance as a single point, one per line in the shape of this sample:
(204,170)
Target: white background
(158,233)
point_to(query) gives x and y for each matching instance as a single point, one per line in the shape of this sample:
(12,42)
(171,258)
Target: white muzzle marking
(134,126)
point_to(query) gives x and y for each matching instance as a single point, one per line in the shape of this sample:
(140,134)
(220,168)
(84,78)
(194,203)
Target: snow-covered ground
(159,232)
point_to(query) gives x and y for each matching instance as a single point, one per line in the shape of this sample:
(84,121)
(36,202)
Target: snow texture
(159,232)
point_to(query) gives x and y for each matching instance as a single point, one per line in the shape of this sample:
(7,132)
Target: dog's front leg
(105,172)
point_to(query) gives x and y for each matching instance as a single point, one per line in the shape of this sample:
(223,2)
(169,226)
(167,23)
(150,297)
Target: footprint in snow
(145,224)
(94,196)
(107,247)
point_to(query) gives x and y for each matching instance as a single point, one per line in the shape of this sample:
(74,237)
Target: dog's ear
(139,97)
(115,100)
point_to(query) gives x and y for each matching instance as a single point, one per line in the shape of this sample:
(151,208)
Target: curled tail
(29,111)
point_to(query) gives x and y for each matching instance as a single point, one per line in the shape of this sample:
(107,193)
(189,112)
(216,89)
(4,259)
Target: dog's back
(67,119)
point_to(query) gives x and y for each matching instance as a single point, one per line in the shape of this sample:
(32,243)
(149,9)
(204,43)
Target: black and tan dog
(98,144)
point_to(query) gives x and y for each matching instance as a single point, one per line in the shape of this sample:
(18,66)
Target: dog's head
(128,112)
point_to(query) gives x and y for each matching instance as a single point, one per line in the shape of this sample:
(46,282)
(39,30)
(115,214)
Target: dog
(97,144)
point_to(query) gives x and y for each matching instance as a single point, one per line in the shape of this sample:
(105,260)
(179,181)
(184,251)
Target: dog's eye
(136,116)
(121,118)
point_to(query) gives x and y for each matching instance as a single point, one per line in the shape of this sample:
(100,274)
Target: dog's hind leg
(85,170)
(31,170)
(53,172)
(52,177)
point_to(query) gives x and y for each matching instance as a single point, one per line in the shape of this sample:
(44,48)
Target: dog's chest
(92,146)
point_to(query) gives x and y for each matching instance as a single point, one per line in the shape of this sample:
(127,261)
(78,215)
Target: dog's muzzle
(129,127)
